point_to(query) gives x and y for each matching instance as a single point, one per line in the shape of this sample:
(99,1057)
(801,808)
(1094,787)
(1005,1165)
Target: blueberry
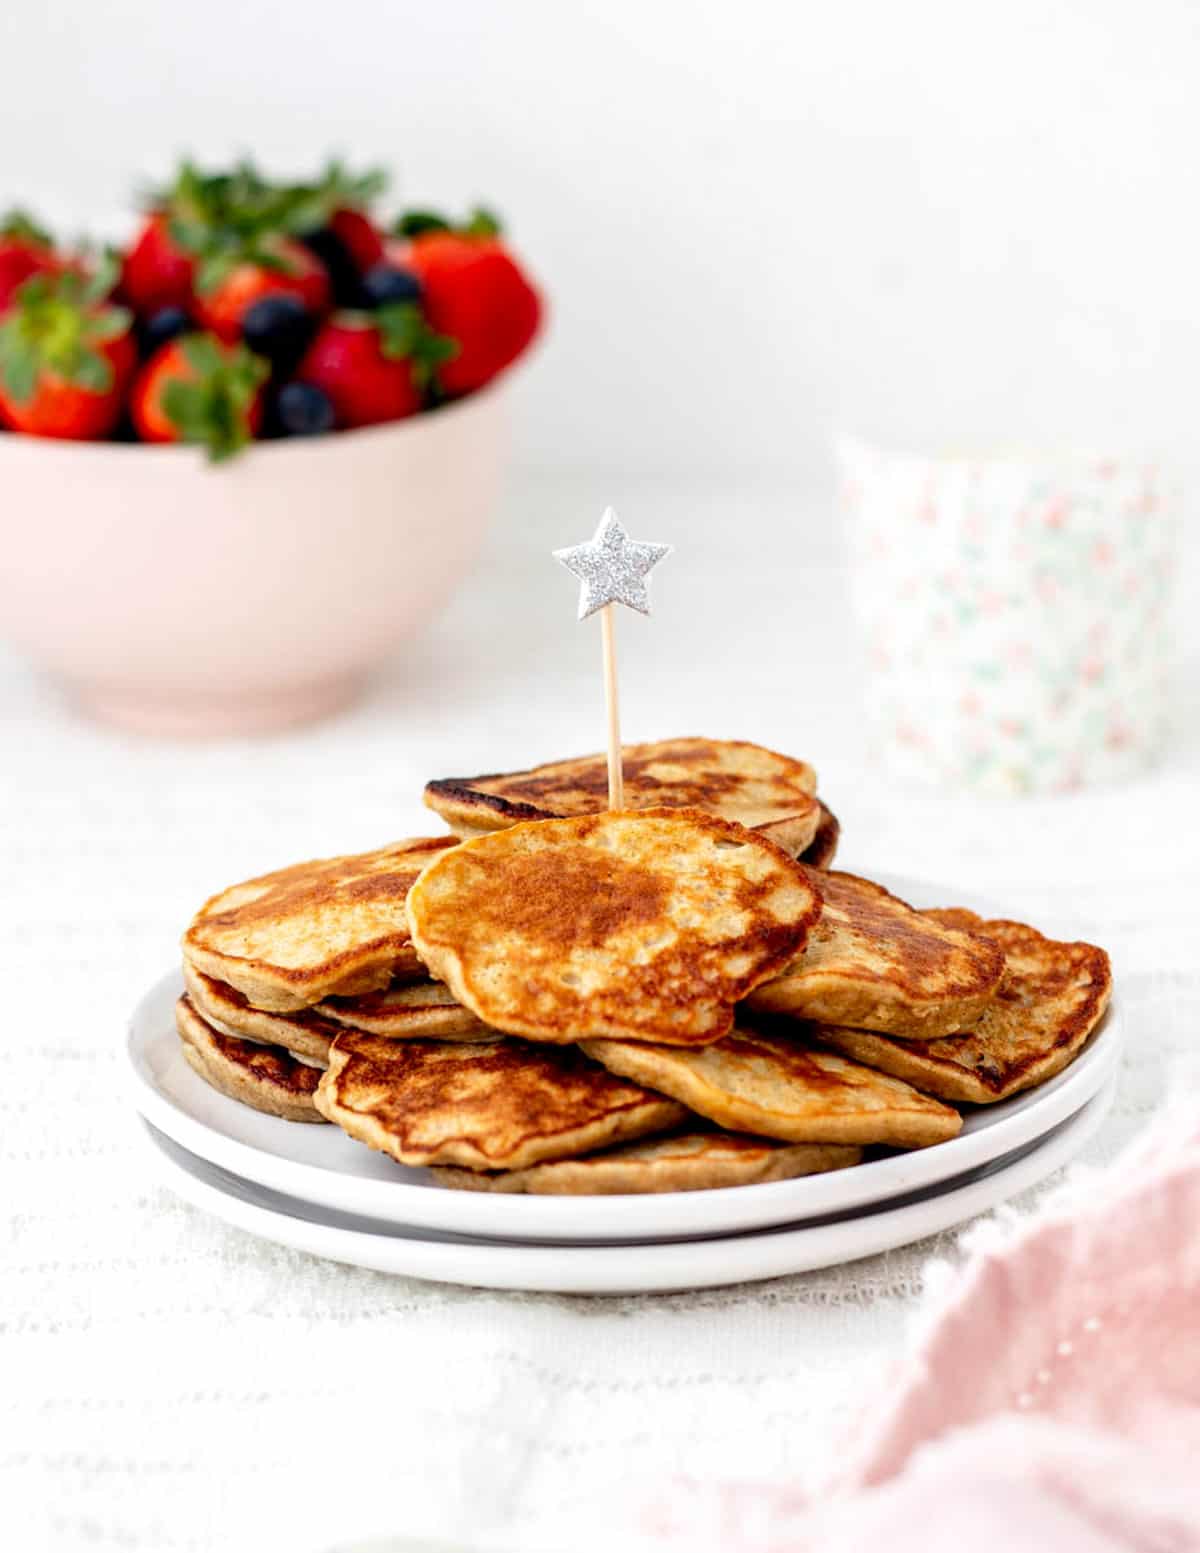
(279,328)
(302,410)
(384,283)
(168,323)
(343,274)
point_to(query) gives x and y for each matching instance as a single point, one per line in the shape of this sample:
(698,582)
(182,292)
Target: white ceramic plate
(617,1269)
(321,1165)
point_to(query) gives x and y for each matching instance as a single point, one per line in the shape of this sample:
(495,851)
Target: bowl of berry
(254,449)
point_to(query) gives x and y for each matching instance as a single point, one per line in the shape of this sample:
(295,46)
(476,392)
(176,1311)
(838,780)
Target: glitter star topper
(612,569)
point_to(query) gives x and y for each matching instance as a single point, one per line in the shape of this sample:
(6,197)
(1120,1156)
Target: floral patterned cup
(1013,613)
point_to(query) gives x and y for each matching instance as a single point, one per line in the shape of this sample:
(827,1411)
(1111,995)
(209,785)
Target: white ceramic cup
(1013,613)
(174,596)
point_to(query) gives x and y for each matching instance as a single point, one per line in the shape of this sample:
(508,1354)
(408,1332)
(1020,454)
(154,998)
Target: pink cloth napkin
(1050,1401)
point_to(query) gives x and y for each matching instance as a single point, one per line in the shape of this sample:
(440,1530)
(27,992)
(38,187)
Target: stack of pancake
(681,995)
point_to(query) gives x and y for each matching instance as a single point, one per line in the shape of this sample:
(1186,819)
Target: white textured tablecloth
(167,1383)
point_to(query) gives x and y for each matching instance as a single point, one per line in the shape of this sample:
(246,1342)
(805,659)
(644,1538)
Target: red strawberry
(157,271)
(474,292)
(358,236)
(233,284)
(25,250)
(330,216)
(374,366)
(198,216)
(197,389)
(65,359)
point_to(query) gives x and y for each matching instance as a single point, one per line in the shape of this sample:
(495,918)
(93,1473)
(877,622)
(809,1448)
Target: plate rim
(774,1202)
(658,1268)
(714,1212)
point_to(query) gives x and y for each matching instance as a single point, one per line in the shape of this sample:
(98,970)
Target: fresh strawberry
(25,250)
(198,389)
(473,292)
(201,229)
(66,358)
(331,218)
(374,366)
(157,271)
(276,266)
(359,236)
(214,240)
(198,217)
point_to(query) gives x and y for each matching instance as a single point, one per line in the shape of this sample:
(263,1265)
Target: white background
(932,222)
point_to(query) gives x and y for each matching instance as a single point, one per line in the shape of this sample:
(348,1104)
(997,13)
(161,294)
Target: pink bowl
(175,597)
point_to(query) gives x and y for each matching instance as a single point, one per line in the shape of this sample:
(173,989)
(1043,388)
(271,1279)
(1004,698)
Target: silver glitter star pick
(612,568)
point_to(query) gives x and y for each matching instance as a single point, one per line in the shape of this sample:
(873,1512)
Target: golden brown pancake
(735,781)
(265,1077)
(874,963)
(684,1162)
(649,924)
(776,1086)
(304,1033)
(822,849)
(337,926)
(488,1105)
(419,1008)
(1051,999)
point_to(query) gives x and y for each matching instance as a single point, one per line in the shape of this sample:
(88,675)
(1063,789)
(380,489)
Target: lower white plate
(617,1269)
(322,1165)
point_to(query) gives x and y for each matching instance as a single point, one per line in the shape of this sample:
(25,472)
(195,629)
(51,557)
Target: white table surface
(167,1383)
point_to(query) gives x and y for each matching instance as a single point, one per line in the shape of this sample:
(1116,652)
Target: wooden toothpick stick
(616,777)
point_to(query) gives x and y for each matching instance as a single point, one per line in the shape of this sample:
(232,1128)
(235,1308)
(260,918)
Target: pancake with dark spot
(684,1162)
(489,1105)
(650,924)
(777,1086)
(1051,999)
(333,927)
(733,780)
(267,1078)
(874,963)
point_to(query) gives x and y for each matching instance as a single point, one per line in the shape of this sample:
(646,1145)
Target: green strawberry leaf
(203,353)
(413,222)
(109,324)
(224,218)
(399,325)
(106,272)
(308,206)
(482,223)
(308,213)
(404,334)
(186,406)
(34,291)
(183,401)
(214,270)
(18,370)
(93,372)
(432,351)
(18,223)
(213,409)
(187,232)
(356,189)
(53,327)
(277,263)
